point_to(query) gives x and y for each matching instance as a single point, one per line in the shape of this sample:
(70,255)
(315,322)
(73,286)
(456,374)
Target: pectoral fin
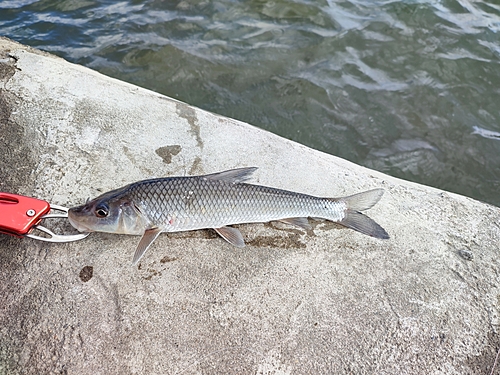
(147,239)
(231,235)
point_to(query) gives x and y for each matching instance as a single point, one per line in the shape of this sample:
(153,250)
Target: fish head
(110,213)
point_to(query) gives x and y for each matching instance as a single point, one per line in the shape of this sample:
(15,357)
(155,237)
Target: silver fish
(175,204)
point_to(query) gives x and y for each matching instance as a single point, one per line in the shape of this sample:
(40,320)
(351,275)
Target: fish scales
(215,201)
(189,203)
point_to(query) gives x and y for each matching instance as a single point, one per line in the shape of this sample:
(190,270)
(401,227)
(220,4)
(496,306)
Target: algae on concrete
(329,301)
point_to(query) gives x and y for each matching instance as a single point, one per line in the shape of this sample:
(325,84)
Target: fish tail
(354,219)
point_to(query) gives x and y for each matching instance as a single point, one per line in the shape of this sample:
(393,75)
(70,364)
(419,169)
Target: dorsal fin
(233,175)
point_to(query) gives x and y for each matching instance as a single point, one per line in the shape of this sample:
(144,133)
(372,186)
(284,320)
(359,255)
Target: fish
(218,200)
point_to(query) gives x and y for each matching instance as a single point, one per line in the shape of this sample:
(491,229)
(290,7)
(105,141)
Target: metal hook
(56,237)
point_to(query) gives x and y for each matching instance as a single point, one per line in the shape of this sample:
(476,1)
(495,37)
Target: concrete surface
(331,301)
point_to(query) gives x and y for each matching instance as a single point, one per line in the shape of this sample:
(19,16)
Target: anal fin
(301,222)
(231,235)
(147,239)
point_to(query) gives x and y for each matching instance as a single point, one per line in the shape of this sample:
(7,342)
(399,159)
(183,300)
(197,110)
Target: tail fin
(363,201)
(356,220)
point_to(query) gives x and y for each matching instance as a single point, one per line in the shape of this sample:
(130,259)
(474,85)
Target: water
(410,88)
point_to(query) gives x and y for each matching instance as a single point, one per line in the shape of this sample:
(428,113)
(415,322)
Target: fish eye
(101,210)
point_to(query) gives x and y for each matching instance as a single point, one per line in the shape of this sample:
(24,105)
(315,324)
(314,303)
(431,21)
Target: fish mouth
(73,219)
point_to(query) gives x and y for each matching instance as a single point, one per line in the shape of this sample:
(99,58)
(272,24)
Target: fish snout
(77,216)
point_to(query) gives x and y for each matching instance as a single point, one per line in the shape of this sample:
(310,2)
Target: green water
(410,88)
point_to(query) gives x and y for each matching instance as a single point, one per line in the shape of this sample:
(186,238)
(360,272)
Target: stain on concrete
(5,108)
(290,241)
(206,234)
(86,273)
(130,155)
(195,167)
(285,227)
(325,225)
(17,161)
(486,362)
(188,113)
(166,152)
(7,66)
(16,332)
(287,238)
(152,272)
(167,259)
(8,363)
